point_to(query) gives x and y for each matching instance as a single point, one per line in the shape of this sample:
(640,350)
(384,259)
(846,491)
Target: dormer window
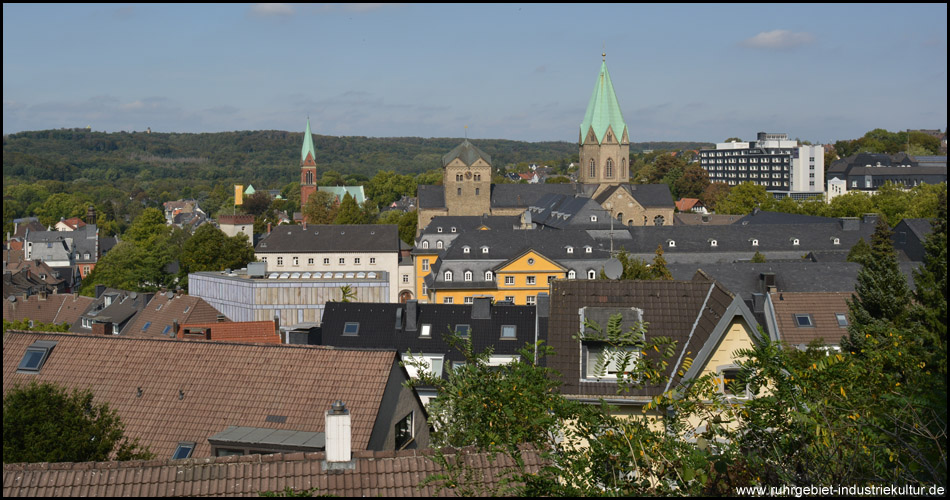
(713,243)
(671,243)
(438,244)
(468,276)
(448,276)
(588,249)
(593,218)
(466,249)
(570,249)
(591,274)
(425,244)
(488,276)
(755,242)
(795,241)
(836,241)
(484,249)
(571,274)
(453,229)
(438,229)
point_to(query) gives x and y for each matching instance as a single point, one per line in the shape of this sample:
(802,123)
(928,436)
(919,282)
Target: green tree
(321,208)
(860,253)
(930,296)
(407,222)
(349,212)
(714,193)
(693,182)
(658,270)
(742,199)
(758,257)
(633,268)
(42,422)
(209,249)
(24,324)
(61,206)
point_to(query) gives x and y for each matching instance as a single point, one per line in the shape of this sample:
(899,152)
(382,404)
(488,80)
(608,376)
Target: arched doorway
(405,296)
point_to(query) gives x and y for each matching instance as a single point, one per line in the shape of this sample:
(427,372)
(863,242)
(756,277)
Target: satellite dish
(613,268)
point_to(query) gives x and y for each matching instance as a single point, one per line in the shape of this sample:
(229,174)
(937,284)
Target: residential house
(164,314)
(57,308)
(112,312)
(232,225)
(867,172)
(691,205)
(707,323)
(204,399)
(418,330)
(70,224)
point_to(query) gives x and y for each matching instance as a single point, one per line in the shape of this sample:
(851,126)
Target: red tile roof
(387,474)
(74,222)
(55,308)
(243,331)
(822,306)
(162,312)
(193,390)
(687,204)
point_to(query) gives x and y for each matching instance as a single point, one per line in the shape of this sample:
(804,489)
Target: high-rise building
(782,166)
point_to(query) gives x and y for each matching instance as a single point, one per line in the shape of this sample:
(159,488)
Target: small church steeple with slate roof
(308,167)
(603,138)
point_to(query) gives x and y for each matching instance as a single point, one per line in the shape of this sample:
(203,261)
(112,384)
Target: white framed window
(438,244)
(342,260)
(426,331)
(466,249)
(484,249)
(405,278)
(447,300)
(509,331)
(588,249)
(438,229)
(836,241)
(296,261)
(671,243)
(755,242)
(570,249)
(372,260)
(425,244)
(795,241)
(531,280)
(509,280)
(425,264)
(447,276)
(488,276)
(453,229)
(613,360)
(532,300)
(280,261)
(713,243)
(571,274)
(591,274)
(310,261)
(593,218)
(469,300)
(468,276)
(728,383)
(356,261)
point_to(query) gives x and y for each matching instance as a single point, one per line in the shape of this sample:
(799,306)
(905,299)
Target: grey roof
(431,196)
(525,195)
(331,238)
(647,195)
(467,152)
(123,306)
(920,227)
(463,223)
(563,211)
(259,437)
(767,217)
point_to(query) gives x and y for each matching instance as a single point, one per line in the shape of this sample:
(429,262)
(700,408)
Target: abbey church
(603,175)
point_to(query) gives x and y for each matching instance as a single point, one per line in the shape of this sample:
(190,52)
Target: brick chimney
(102,328)
(338,433)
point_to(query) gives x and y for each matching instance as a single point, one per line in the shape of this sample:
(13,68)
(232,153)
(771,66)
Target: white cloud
(272,9)
(778,39)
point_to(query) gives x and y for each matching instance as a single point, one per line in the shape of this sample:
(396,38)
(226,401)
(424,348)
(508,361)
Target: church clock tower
(603,140)
(308,167)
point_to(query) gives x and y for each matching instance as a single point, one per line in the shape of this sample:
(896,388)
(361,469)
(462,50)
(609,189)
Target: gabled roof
(687,204)
(122,306)
(165,309)
(56,308)
(467,152)
(647,195)
(375,474)
(820,306)
(603,110)
(193,390)
(331,238)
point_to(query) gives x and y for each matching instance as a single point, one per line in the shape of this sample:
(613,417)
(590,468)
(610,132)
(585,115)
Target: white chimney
(338,433)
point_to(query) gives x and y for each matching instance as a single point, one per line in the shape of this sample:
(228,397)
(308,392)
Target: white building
(782,166)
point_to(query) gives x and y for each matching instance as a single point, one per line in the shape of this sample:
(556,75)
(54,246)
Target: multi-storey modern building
(867,172)
(783,166)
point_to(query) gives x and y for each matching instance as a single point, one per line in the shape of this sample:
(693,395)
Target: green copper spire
(307,145)
(603,110)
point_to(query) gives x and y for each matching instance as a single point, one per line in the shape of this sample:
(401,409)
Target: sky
(818,72)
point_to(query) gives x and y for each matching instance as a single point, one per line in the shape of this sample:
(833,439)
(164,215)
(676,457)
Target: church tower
(603,140)
(308,167)
(466,177)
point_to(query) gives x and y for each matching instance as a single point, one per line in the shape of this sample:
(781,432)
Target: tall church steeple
(603,139)
(308,167)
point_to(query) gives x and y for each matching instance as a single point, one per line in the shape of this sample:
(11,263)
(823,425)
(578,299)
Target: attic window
(755,242)
(425,244)
(438,229)
(448,276)
(713,243)
(453,229)
(836,241)
(166,329)
(147,324)
(466,249)
(484,249)
(351,329)
(438,244)
(842,319)
(803,321)
(35,356)
(463,330)
(795,241)
(593,218)
(671,243)
(426,331)
(588,249)
(570,249)
(184,450)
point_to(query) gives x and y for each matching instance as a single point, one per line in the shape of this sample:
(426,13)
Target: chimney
(337,431)
(481,308)
(304,223)
(99,290)
(768,282)
(412,307)
(277,325)
(175,328)
(870,218)
(543,305)
(102,328)
(758,302)
(268,228)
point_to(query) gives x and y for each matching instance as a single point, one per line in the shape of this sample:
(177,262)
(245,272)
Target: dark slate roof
(562,211)
(509,243)
(692,219)
(920,227)
(647,195)
(331,238)
(467,152)
(525,195)
(686,311)
(431,196)
(463,223)
(744,278)
(767,217)
(379,326)
(123,307)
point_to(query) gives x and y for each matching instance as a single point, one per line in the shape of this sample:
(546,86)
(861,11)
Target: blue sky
(819,72)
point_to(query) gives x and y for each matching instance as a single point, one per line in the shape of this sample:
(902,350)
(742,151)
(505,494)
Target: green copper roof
(467,152)
(307,145)
(250,190)
(603,110)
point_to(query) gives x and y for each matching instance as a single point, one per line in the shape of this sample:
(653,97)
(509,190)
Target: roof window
(35,356)
(803,321)
(351,329)
(183,450)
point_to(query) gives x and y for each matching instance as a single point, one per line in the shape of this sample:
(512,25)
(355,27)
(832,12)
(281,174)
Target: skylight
(351,329)
(35,356)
